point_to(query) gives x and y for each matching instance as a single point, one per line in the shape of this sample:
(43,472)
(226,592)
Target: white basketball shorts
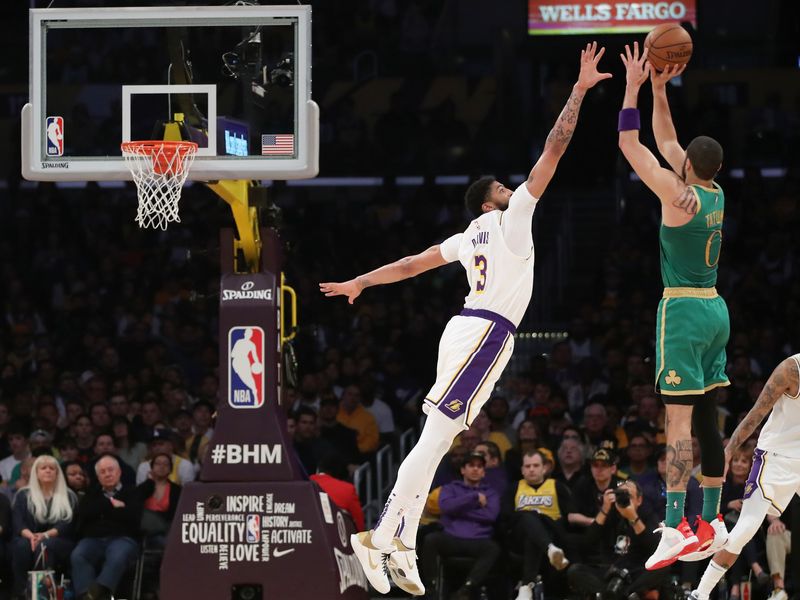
(474,349)
(773,478)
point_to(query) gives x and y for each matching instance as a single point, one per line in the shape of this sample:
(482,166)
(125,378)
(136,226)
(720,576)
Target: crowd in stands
(102,352)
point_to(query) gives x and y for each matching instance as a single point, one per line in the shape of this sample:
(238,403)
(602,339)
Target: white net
(159,171)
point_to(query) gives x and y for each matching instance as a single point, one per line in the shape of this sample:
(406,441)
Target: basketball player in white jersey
(497,252)
(775,476)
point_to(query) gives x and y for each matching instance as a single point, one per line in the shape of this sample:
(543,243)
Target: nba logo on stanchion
(55,136)
(246,367)
(253,529)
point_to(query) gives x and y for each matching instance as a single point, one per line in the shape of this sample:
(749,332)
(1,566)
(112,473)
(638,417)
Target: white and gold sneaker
(373,560)
(403,569)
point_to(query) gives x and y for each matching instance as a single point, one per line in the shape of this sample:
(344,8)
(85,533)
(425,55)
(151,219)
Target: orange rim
(163,153)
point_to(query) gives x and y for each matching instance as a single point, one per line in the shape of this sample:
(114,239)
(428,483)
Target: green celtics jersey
(690,253)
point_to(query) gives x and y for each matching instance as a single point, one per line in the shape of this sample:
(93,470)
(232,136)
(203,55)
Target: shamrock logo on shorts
(673,378)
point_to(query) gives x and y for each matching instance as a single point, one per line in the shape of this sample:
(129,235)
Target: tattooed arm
(663,182)
(559,137)
(784,380)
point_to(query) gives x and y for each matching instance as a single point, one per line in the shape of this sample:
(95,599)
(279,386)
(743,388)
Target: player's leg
(677,536)
(705,419)
(710,528)
(754,510)
(400,518)
(679,380)
(464,382)
(772,483)
(414,476)
(679,456)
(373,548)
(712,454)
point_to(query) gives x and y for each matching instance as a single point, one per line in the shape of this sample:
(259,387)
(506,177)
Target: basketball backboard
(238,76)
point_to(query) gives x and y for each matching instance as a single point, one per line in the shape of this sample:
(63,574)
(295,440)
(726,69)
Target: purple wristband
(628,119)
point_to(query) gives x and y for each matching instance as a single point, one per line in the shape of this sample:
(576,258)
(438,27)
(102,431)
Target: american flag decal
(277,143)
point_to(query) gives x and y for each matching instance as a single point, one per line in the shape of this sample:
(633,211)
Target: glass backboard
(235,79)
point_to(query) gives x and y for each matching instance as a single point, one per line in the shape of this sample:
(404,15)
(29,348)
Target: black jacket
(616,542)
(97,517)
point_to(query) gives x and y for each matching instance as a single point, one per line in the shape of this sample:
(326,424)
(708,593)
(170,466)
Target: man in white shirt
(18,441)
(161,443)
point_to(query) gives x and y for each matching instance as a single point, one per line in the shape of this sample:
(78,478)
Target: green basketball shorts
(692,330)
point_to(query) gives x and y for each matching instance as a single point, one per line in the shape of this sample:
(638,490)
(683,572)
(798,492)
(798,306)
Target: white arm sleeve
(516,221)
(449,247)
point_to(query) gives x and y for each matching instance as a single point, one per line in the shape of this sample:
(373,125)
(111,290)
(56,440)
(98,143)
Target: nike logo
(278,553)
(372,565)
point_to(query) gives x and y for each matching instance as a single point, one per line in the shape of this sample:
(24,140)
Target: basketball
(669,43)
(257,368)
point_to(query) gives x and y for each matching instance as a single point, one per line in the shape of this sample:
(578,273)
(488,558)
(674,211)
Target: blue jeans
(115,554)
(23,558)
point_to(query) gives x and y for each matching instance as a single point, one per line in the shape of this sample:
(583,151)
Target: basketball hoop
(159,169)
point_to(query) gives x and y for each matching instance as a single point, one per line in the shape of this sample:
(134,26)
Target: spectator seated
(108,523)
(43,517)
(469,509)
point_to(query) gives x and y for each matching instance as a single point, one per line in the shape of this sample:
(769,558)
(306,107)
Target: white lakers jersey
(499,280)
(781,433)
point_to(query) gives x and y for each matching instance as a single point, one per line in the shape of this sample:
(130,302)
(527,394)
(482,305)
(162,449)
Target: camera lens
(622,497)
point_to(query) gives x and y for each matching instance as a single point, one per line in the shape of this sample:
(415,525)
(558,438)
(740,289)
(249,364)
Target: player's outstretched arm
(785,379)
(561,133)
(405,268)
(663,129)
(666,185)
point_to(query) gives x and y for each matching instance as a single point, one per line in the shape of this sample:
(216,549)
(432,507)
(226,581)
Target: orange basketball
(669,43)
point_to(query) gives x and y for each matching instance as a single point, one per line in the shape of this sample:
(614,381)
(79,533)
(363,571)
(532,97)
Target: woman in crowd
(130,452)
(160,499)
(77,479)
(42,518)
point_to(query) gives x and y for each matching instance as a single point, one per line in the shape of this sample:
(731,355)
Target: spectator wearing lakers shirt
(352,414)
(534,515)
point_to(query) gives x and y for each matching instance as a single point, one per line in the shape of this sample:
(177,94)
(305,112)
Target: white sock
(407,531)
(414,480)
(710,579)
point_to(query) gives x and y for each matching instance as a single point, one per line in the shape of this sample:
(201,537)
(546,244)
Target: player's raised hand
(589,75)
(351,289)
(637,67)
(659,80)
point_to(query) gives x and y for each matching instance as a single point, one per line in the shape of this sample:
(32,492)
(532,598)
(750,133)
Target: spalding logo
(247,293)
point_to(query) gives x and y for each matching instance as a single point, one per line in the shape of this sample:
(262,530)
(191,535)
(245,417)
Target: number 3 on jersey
(480,264)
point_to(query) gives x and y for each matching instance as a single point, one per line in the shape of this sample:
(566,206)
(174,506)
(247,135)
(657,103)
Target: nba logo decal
(55,136)
(253,529)
(246,367)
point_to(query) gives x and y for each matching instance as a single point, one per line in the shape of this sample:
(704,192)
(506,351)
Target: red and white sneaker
(674,541)
(708,545)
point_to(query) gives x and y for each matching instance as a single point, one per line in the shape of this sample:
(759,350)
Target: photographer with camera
(589,491)
(618,542)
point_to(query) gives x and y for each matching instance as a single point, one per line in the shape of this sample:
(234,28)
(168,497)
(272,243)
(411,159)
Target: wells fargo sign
(558,17)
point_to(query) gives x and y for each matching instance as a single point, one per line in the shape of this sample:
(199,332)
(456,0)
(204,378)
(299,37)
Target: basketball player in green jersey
(692,327)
